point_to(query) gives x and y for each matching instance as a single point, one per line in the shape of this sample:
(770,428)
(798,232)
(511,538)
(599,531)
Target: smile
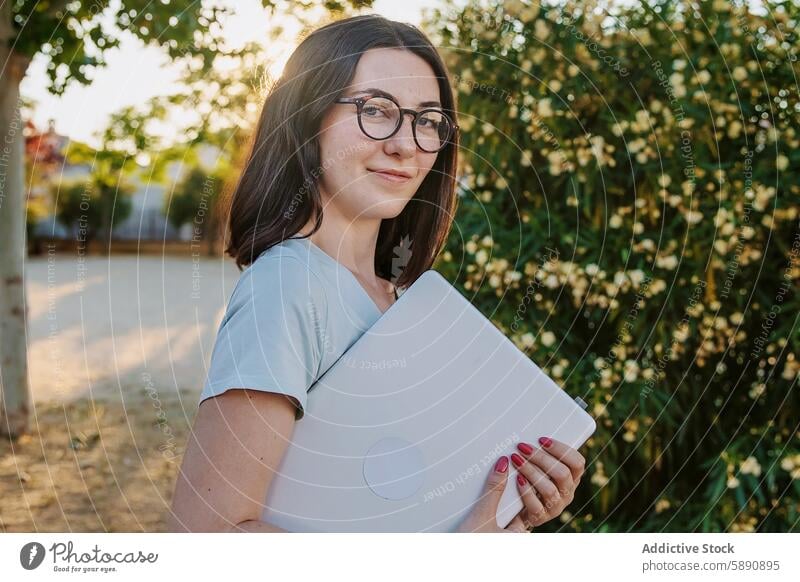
(396,178)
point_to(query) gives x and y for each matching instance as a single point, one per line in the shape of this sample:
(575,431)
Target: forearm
(254,525)
(251,525)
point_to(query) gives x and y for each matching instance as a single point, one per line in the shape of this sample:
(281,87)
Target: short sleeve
(270,337)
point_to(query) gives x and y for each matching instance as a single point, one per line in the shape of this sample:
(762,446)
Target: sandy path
(119,326)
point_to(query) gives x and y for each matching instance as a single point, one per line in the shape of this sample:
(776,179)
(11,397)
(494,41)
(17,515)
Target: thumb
(495,485)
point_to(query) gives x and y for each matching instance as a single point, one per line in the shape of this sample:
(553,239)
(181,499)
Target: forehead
(399,72)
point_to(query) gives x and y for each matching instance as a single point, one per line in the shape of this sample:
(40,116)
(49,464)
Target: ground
(118,352)
(92,466)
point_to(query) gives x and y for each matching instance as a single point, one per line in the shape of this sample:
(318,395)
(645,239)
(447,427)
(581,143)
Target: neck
(351,242)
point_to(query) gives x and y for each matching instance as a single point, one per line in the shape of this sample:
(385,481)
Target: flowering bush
(629,218)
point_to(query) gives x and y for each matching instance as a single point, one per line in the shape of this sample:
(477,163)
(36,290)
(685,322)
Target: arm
(237,443)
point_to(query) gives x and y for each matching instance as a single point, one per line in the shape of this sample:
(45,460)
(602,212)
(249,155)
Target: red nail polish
(521,480)
(546,441)
(517,460)
(525,448)
(501,465)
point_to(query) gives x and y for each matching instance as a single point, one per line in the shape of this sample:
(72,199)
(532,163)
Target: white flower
(541,30)
(668,262)
(734,129)
(636,276)
(693,217)
(548,339)
(636,145)
(631,371)
(757,390)
(661,505)
(739,74)
(750,466)
(599,478)
(782,162)
(703,77)
(543,108)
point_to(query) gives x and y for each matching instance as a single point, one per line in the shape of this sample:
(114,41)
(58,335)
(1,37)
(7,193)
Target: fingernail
(501,465)
(545,441)
(521,480)
(525,448)
(517,460)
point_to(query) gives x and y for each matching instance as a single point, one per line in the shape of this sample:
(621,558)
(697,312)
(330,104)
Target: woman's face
(349,179)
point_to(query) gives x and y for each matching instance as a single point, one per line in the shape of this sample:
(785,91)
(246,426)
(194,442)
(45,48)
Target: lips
(394,173)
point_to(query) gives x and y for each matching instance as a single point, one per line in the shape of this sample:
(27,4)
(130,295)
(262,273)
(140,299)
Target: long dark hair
(277,192)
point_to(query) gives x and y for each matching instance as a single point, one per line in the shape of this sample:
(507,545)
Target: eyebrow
(382,93)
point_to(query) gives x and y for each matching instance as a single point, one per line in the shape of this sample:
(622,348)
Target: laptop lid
(400,433)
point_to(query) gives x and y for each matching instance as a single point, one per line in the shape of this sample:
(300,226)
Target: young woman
(355,149)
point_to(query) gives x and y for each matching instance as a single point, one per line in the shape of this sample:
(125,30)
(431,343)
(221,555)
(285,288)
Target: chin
(385,206)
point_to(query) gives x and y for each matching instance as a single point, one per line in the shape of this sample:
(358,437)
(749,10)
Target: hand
(483,517)
(547,479)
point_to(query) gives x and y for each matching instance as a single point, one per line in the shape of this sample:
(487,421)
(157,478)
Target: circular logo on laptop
(394,468)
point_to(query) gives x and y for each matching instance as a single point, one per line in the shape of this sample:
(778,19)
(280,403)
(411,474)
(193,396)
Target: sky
(136,73)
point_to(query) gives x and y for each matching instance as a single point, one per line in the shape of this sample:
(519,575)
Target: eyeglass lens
(380,117)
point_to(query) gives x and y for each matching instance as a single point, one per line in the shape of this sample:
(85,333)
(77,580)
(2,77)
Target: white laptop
(400,434)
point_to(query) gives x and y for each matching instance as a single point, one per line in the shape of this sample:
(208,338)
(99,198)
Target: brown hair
(277,192)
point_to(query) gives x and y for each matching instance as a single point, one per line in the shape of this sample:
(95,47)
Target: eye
(371,110)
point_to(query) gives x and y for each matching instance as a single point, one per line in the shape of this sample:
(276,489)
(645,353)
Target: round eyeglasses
(380,118)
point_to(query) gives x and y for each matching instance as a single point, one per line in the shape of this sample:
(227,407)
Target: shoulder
(284,264)
(283,279)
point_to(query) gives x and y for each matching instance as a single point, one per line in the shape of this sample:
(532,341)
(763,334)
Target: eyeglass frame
(360,101)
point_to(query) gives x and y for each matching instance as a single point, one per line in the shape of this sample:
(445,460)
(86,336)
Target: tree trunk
(15,403)
(210,232)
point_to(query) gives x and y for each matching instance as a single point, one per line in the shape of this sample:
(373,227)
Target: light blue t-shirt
(293,312)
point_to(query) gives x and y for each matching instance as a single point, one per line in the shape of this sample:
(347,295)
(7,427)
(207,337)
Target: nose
(402,142)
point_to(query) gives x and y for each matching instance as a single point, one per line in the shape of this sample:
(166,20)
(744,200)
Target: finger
(494,487)
(543,484)
(533,504)
(566,454)
(555,469)
(517,525)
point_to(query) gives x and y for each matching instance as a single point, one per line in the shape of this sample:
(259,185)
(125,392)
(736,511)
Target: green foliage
(630,219)
(91,208)
(194,200)
(74,36)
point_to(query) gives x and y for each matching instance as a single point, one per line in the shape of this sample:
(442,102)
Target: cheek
(345,156)
(426,165)
(344,148)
